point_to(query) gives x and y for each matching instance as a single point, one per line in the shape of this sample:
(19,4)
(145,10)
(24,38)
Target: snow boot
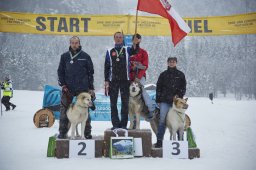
(13,106)
(88,136)
(158,144)
(62,136)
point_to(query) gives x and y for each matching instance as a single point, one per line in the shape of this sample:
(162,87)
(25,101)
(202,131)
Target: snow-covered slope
(225,133)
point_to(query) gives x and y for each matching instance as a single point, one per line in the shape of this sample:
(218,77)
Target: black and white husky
(137,107)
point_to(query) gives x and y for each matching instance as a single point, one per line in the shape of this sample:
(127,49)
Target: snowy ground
(225,133)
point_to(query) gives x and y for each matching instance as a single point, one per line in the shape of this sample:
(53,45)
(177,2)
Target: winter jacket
(7,88)
(170,83)
(141,57)
(117,68)
(76,75)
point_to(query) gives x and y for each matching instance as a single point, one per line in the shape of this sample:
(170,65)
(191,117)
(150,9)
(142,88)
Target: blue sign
(128,40)
(102,113)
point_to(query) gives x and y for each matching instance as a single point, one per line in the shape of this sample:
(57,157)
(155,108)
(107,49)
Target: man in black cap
(171,82)
(75,75)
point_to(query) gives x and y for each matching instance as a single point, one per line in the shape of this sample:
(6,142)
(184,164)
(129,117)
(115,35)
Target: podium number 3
(83,148)
(176,147)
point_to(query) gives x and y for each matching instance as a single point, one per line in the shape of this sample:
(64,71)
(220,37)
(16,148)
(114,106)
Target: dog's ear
(175,97)
(79,96)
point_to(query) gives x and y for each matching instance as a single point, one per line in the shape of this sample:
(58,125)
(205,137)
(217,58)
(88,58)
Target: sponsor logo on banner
(106,25)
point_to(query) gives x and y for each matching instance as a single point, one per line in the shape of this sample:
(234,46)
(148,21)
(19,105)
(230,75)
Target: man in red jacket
(138,68)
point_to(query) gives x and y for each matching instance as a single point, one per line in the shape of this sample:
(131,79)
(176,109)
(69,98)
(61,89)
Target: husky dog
(78,113)
(137,106)
(176,118)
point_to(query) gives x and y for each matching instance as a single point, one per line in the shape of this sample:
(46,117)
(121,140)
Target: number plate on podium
(82,149)
(175,149)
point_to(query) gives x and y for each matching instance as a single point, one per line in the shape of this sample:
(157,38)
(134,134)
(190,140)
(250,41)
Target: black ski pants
(114,87)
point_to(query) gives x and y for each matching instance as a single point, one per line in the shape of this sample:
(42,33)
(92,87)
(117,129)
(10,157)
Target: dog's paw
(72,138)
(83,138)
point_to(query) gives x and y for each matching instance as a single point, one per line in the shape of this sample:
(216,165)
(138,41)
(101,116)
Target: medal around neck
(72,57)
(118,54)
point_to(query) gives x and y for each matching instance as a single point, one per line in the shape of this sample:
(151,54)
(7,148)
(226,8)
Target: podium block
(157,152)
(62,147)
(145,134)
(192,153)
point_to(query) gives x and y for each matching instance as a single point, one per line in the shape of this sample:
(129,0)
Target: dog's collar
(180,116)
(82,106)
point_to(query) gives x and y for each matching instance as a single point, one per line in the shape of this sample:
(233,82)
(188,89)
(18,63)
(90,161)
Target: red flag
(163,8)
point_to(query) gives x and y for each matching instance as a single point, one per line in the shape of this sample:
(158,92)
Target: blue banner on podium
(102,112)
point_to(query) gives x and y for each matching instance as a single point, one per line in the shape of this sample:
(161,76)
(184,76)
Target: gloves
(92,93)
(65,89)
(106,88)
(93,107)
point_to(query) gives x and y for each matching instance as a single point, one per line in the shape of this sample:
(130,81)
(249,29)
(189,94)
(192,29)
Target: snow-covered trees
(223,64)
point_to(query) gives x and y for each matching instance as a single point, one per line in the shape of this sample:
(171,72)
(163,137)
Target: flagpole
(136,21)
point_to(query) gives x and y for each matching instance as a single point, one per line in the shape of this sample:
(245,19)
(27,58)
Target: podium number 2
(176,147)
(83,148)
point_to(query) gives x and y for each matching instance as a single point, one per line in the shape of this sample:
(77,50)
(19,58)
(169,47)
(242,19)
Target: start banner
(107,25)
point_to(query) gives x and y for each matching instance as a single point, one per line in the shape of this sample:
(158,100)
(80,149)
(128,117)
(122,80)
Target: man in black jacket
(116,73)
(75,75)
(170,83)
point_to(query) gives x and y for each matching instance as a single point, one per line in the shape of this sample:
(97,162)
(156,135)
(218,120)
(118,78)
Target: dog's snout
(185,106)
(133,89)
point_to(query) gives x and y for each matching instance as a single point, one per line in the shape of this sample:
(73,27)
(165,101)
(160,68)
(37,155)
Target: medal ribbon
(118,54)
(72,57)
